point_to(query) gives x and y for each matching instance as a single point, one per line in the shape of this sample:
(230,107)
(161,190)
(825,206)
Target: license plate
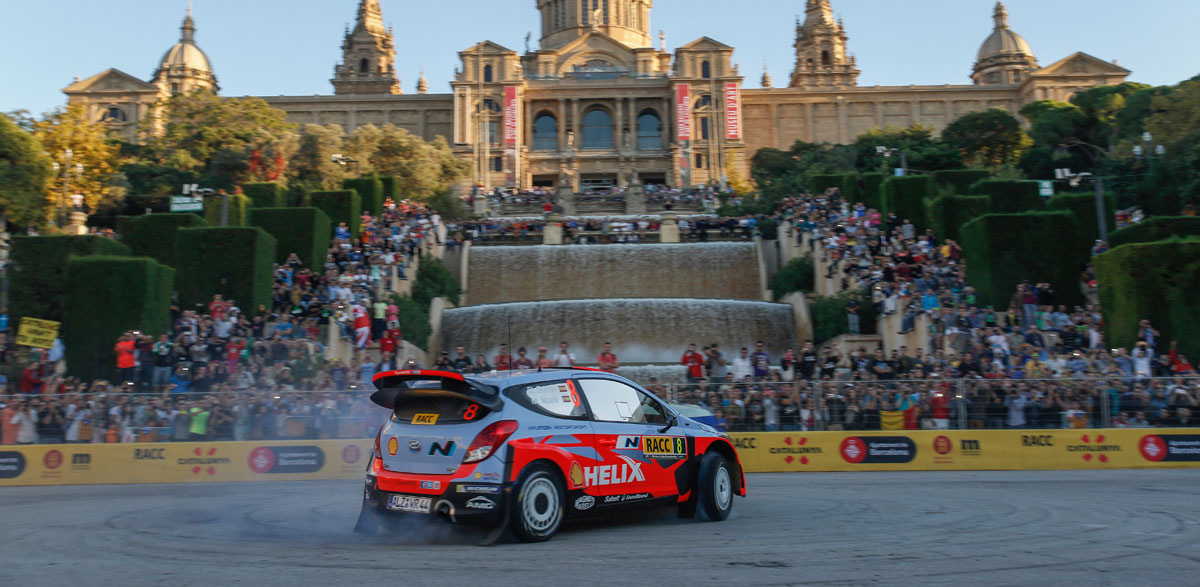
(410,503)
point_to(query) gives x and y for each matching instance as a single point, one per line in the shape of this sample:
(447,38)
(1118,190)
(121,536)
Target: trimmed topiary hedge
(234,262)
(1002,250)
(340,206)
(870,187)
(265,195)
(1009,196)
(304,231)
(796,275)
(391,187)
(1155,229)
(38,272)
(1083,206)
(906,197)
(434,280)
(1158,281)
(370,190)
(947,214)
(106,297)
(238,204)
(959,181)
(153,235)
(847,183)
(829,316)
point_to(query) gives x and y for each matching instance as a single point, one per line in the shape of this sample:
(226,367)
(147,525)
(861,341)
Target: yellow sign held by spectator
(38,333)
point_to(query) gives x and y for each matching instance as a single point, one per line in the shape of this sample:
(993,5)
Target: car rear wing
(396,386)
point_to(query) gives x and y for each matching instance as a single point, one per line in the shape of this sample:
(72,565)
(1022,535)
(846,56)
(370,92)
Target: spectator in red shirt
(387,344)
(939,404)
(522,362)
(607,360)
(503,361)
(216,308)
(31,378)
(543,362)
(126,365)
(694,362)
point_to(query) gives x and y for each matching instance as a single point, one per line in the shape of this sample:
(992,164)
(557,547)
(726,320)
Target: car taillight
(378,452)
(488,440)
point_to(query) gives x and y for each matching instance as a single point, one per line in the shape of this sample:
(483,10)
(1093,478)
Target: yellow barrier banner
(183,462)
(965,450)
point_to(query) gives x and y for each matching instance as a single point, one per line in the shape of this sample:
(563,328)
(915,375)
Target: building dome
(1005,57)
(184,67)
(1003,41)
(186,55)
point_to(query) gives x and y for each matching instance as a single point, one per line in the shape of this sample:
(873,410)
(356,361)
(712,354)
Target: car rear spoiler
(395,386)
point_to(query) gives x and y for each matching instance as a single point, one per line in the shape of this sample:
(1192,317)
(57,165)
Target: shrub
(1009,196)
(1002,250)
(391,187)
(413,319)
(370,191)
(870,189)
(38,267)
(959,181)
(829,316)
(1154,229)
(447,206)
(795,275)
(906,197)
(238,204)
(434,280)
(340,206)
(304,231)
(233,262)
(1083,206)
(947,214)
(1158,281)
(298,193)
(153,235)
(106,297)
(265,195)
(847,183)
(768,229)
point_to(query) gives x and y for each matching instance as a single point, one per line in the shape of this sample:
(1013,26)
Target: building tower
(184,67)
(627,21)
(766,77)
(1005,57)
(821,59)
(422,83)
(368,55)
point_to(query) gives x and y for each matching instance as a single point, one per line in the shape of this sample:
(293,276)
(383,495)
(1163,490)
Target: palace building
(596,104)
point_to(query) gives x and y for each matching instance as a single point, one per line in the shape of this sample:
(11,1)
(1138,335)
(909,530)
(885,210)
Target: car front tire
(716,487)
(537,506)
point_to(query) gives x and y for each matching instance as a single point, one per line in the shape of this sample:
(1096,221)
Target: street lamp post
(343,160)
(888,152)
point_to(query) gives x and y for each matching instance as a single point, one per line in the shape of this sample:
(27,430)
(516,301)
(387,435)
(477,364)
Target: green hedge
(847,183)
(870,189)
(370,190)
(1083,206)
(108,296)
(340,206)
(265,195)
(234,262)
(906,197)
(38,272)
(1001,250)
(391,187)
(1158,281)
(959,181)
(304,231)
(1155,229)
(238,204)
(1009,196)
(153,235)
(947,214)
(795,275)
(434,280)
(829,316)
(413,319)
(298,194)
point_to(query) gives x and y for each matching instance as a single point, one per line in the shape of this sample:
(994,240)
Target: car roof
(504,379)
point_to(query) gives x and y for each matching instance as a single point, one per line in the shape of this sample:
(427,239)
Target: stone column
(668,228)
(635,197)
(562,124)
(575,126)
(565,195)
(479,202)
(619,126)
(552,233)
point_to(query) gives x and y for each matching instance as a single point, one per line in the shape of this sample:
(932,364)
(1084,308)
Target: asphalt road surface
(931,528)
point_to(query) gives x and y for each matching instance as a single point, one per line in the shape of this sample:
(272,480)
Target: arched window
(113,114)
(364,66)
(705,70)
(487,73)
(649,131)
(703,102)
(545,133)
(597,130)
(825,58)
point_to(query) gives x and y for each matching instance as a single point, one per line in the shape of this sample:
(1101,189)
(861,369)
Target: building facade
(597,105)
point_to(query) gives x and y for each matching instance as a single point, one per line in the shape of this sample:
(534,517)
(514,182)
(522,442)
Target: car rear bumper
(461,503)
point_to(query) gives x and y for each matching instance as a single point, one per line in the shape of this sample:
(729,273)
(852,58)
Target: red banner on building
(733,111)
(510,115)
(683,112)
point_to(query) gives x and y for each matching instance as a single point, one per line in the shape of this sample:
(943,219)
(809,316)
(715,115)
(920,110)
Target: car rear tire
(716,487)
(536,511)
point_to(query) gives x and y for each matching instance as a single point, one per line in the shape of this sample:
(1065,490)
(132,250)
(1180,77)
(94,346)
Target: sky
(286,47)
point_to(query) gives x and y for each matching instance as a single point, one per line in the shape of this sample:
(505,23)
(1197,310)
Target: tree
(24,172)
(313,162)
(991,139)
(421,168)
(921,149)
(92,146)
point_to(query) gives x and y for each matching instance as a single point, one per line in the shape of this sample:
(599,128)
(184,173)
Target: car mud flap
(366,524)
(501,529)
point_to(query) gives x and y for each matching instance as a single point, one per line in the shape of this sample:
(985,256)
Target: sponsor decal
(745,442)
(626,497)
(1094,444)
(81,460)
(629,472)
(477,489)
(442,449)
(942,445)
(878,449)
(487,476)
(150,454)
(576,475)
(12,464)
(793,448)
(664,447)
(629,442)
(585,502)
(1170,447)
(53,459)
(286,459)
(480,503)
(969,448)
(351,454)
(1037,440)
(424,418)
(434,485)
(202,461)
(393,446)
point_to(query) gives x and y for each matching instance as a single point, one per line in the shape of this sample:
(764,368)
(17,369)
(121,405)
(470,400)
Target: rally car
(527,450)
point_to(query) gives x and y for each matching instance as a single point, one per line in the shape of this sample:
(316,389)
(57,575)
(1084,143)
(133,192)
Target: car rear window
(553,398)
(437,410)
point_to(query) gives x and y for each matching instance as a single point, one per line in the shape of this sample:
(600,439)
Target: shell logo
(393,446)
